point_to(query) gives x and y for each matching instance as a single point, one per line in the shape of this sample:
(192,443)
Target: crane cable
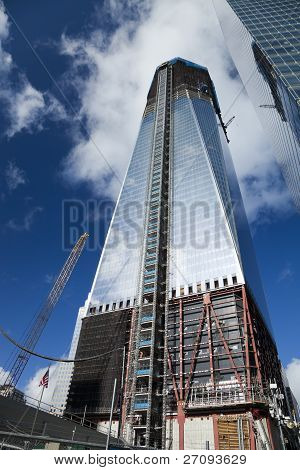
(50,358)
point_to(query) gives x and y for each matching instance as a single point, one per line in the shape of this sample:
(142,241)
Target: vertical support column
(181,350)
(259,378)
(246,339)
(180,403)
(207,304)
(181,423)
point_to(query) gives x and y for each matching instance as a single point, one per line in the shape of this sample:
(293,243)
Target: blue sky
(102,58)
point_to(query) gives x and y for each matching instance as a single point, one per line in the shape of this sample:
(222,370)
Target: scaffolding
(143,408)
(225,395)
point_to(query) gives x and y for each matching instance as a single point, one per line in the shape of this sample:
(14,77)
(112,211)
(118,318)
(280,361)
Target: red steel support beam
(193,362)
(173,377)
(181,422)
(252,337)
(246,340)
(234,368)
(180,402)
(181,350)
(210,344)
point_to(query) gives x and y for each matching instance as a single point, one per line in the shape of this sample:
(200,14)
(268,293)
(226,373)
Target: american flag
(44,380)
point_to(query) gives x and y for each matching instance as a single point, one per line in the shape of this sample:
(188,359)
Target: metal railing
(204,397)
(61,413)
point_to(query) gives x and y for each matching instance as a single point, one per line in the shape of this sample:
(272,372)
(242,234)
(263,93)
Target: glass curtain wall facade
(263,37)
(203,239)
(181,275)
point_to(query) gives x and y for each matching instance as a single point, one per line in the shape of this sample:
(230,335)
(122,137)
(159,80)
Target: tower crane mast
(20,359)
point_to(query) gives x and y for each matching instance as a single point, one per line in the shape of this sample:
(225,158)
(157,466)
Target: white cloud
(14,175)
(26,107)
(26,223)
(4,374)
(120,71)
(5,58)
(29,107)
(293,374)
(32,388)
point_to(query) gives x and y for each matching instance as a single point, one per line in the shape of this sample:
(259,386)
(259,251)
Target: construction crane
(268,106)
(229,122)
(20,359)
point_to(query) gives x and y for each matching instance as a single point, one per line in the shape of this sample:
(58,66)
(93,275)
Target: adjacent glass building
(177,306)
(263,37)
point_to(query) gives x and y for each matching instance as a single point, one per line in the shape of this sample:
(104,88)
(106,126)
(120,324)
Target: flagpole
(111,415)
(37,410)
(121,394)
(40,400)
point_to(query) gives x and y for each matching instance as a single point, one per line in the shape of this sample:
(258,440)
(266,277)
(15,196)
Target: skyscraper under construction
(177,306)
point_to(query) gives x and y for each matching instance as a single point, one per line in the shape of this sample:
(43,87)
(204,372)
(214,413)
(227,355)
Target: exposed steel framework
(220,357)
